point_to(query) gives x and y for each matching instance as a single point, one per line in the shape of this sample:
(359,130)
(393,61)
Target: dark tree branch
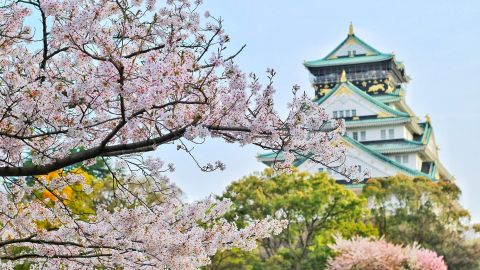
(145,51)
(89,154)
(225,60)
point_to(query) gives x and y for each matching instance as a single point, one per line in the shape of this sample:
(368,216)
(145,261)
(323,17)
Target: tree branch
(88,154)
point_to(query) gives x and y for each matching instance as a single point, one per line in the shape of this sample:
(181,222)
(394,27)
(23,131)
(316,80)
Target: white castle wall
(411,160)
(375,133)
(350,101)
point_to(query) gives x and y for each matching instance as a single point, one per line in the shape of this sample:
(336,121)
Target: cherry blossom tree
(110,80)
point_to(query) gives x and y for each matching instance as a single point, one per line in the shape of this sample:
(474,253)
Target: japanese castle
(383,136)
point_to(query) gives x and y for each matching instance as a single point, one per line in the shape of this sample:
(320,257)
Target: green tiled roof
(356,90)
(373,56)
(372,122)
(271,155)
(399,146)
(275,156)
(347,60)
(396,146)
(390,97)
(377,121)
(427,132)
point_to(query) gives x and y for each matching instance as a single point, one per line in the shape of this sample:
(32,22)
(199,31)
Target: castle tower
(365,87)
(367,68)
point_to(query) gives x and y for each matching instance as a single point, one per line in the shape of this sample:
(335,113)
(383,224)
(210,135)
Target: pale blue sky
(438,41)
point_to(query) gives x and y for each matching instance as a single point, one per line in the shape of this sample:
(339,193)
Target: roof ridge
(347,60)
(394,140)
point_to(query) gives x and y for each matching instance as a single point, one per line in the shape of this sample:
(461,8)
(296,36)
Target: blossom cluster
(166,235)
(366,254)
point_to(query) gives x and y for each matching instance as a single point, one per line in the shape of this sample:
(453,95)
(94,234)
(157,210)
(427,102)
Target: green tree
(314,205)
(407,210)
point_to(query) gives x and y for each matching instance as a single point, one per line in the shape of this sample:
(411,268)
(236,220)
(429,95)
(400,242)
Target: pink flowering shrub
(427,259)
(368,254)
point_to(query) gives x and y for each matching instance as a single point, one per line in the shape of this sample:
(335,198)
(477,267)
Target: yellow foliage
(71,195)
(52,175)
(48,195)
(67,192)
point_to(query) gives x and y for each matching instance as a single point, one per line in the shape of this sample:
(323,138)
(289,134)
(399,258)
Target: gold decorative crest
(324,91)
(377,87)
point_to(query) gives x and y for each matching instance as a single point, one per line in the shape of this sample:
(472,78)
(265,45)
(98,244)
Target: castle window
(335,114)
(391,133)
(363,135)
(355,135)
(383,134)
(398,158)
(354,113)
(320,169)
(340,114)
(347,113)
(405,159)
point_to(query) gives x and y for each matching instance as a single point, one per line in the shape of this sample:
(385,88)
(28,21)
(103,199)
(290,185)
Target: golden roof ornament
(350,29)
(343,77)
(428,119)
